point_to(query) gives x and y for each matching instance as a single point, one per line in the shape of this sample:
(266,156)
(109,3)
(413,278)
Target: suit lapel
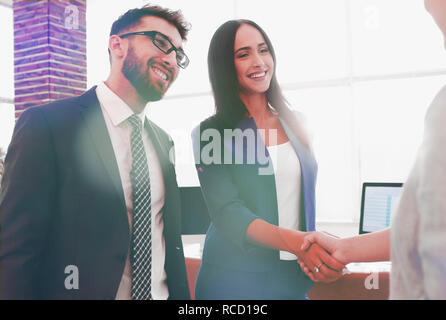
(95,122)
(172,208)
(162,150)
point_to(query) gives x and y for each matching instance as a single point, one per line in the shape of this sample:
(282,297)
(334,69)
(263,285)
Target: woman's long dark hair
(223,76)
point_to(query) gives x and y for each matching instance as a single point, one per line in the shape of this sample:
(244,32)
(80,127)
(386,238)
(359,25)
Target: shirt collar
(116,108)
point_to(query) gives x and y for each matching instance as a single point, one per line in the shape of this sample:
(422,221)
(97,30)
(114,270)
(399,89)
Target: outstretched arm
(261,232)
(373,246)
(242,226)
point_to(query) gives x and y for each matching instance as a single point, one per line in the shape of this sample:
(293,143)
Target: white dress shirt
(116,112)
(287,175)
(418,234)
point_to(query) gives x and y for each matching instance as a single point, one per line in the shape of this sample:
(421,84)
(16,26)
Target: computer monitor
(378,203)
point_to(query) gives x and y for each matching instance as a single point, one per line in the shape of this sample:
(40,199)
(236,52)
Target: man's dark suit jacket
(62,204)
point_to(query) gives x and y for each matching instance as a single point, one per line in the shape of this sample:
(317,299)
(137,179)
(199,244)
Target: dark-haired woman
(257,173)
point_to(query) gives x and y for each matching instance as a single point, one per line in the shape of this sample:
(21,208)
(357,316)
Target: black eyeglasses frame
(152,34)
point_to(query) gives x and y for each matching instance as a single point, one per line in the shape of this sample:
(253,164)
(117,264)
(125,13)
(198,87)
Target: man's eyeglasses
(164,44)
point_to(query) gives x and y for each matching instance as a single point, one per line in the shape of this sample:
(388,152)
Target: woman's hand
(330,244)
(325,267)
(319,265)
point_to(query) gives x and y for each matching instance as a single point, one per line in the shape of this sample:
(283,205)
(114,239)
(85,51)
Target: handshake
(322,256)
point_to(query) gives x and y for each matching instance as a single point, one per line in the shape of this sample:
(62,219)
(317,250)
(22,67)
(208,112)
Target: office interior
(363,72)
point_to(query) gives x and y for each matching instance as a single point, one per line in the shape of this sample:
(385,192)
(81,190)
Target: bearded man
(90,206)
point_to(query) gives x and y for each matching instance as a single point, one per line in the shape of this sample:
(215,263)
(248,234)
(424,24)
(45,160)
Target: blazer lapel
(256,151)
(255,154)
(95,122)
(308,168)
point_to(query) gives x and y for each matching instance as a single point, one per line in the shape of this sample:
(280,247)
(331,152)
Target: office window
(6,124)
(7,55)
(100,17)
(391,121)
(6,78)
(179,117)
(310,36)
(396,36)
(330,116)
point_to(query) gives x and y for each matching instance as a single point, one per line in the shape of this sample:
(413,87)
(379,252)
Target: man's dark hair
(133,17)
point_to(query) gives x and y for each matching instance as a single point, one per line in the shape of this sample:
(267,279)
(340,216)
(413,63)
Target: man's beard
(141,82)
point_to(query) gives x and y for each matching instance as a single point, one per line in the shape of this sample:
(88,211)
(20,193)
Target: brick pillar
(50,59)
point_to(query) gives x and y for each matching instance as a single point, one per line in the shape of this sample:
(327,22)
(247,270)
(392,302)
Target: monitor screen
(378,204)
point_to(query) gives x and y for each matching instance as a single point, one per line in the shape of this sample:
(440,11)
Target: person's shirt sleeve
(26,205)
(227,211)
(432,200)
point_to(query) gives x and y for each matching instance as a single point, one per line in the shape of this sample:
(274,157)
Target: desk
(351,286)
(364,281)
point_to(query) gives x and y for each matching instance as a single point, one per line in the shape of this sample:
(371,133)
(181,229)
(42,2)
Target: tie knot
(135,122)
